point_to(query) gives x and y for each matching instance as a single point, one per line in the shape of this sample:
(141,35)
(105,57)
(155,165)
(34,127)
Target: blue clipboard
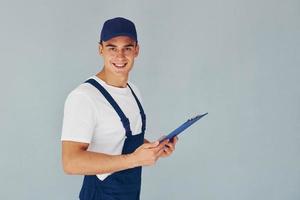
(182,127)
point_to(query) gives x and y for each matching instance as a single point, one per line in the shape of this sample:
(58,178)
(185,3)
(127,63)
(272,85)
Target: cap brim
(119,34)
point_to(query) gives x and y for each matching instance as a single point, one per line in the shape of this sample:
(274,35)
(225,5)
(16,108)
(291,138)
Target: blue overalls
(125,184)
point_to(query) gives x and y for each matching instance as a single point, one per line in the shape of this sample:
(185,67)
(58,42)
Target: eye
(112,48)
(128,49)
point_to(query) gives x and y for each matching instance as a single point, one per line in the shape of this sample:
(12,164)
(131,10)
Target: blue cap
(118,27)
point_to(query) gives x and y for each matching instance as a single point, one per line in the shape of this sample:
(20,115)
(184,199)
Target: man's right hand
(148,153)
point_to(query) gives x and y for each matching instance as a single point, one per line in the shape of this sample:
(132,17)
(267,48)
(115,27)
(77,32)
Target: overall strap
(109,98)
(143,115)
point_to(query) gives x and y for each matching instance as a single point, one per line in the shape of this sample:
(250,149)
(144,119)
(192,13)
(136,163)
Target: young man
(104,123)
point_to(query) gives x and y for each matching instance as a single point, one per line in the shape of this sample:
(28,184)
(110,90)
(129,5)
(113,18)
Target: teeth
(119,65)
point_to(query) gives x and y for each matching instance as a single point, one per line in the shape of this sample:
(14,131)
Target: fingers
(168,151)
(170,146)
(163,143)
(159,150)
(151,144)
(175,140)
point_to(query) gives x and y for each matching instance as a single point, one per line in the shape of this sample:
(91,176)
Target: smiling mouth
(121,65)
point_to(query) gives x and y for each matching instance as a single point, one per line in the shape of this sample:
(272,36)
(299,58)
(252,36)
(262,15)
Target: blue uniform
(125,184)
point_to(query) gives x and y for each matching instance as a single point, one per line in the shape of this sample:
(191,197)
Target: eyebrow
(129,45)
(112,45)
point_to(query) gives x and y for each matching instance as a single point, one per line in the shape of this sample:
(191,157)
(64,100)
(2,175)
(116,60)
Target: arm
(77,160)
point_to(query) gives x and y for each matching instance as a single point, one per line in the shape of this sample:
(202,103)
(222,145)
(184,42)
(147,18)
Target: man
(104,123)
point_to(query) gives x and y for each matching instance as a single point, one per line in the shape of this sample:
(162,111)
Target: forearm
(77,160)
(91,163)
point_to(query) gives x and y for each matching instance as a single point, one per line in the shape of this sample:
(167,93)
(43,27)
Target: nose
(120,53)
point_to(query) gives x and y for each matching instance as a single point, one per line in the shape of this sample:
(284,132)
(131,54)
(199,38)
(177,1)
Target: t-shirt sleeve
(79,118)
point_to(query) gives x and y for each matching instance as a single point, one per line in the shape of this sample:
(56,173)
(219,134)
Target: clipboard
(182,127)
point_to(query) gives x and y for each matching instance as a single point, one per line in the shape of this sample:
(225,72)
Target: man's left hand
(169,147)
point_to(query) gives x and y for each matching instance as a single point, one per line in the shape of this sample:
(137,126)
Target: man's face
(119,54)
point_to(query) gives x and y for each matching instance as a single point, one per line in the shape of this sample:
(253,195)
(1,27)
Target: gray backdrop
(237,60)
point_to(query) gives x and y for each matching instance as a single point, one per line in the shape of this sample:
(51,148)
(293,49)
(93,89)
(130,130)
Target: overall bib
(125,184)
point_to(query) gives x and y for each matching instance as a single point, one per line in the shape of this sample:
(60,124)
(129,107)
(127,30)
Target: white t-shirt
(90,118)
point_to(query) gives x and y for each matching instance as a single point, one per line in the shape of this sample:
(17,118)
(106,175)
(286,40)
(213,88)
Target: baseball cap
(118,26)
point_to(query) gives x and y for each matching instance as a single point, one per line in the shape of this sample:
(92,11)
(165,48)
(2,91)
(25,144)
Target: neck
(120,81)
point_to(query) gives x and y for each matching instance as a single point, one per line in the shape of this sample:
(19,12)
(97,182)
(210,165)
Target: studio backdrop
(237,60)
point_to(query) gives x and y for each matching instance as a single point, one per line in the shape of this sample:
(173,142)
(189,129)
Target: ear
(137,50)
(100,49)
